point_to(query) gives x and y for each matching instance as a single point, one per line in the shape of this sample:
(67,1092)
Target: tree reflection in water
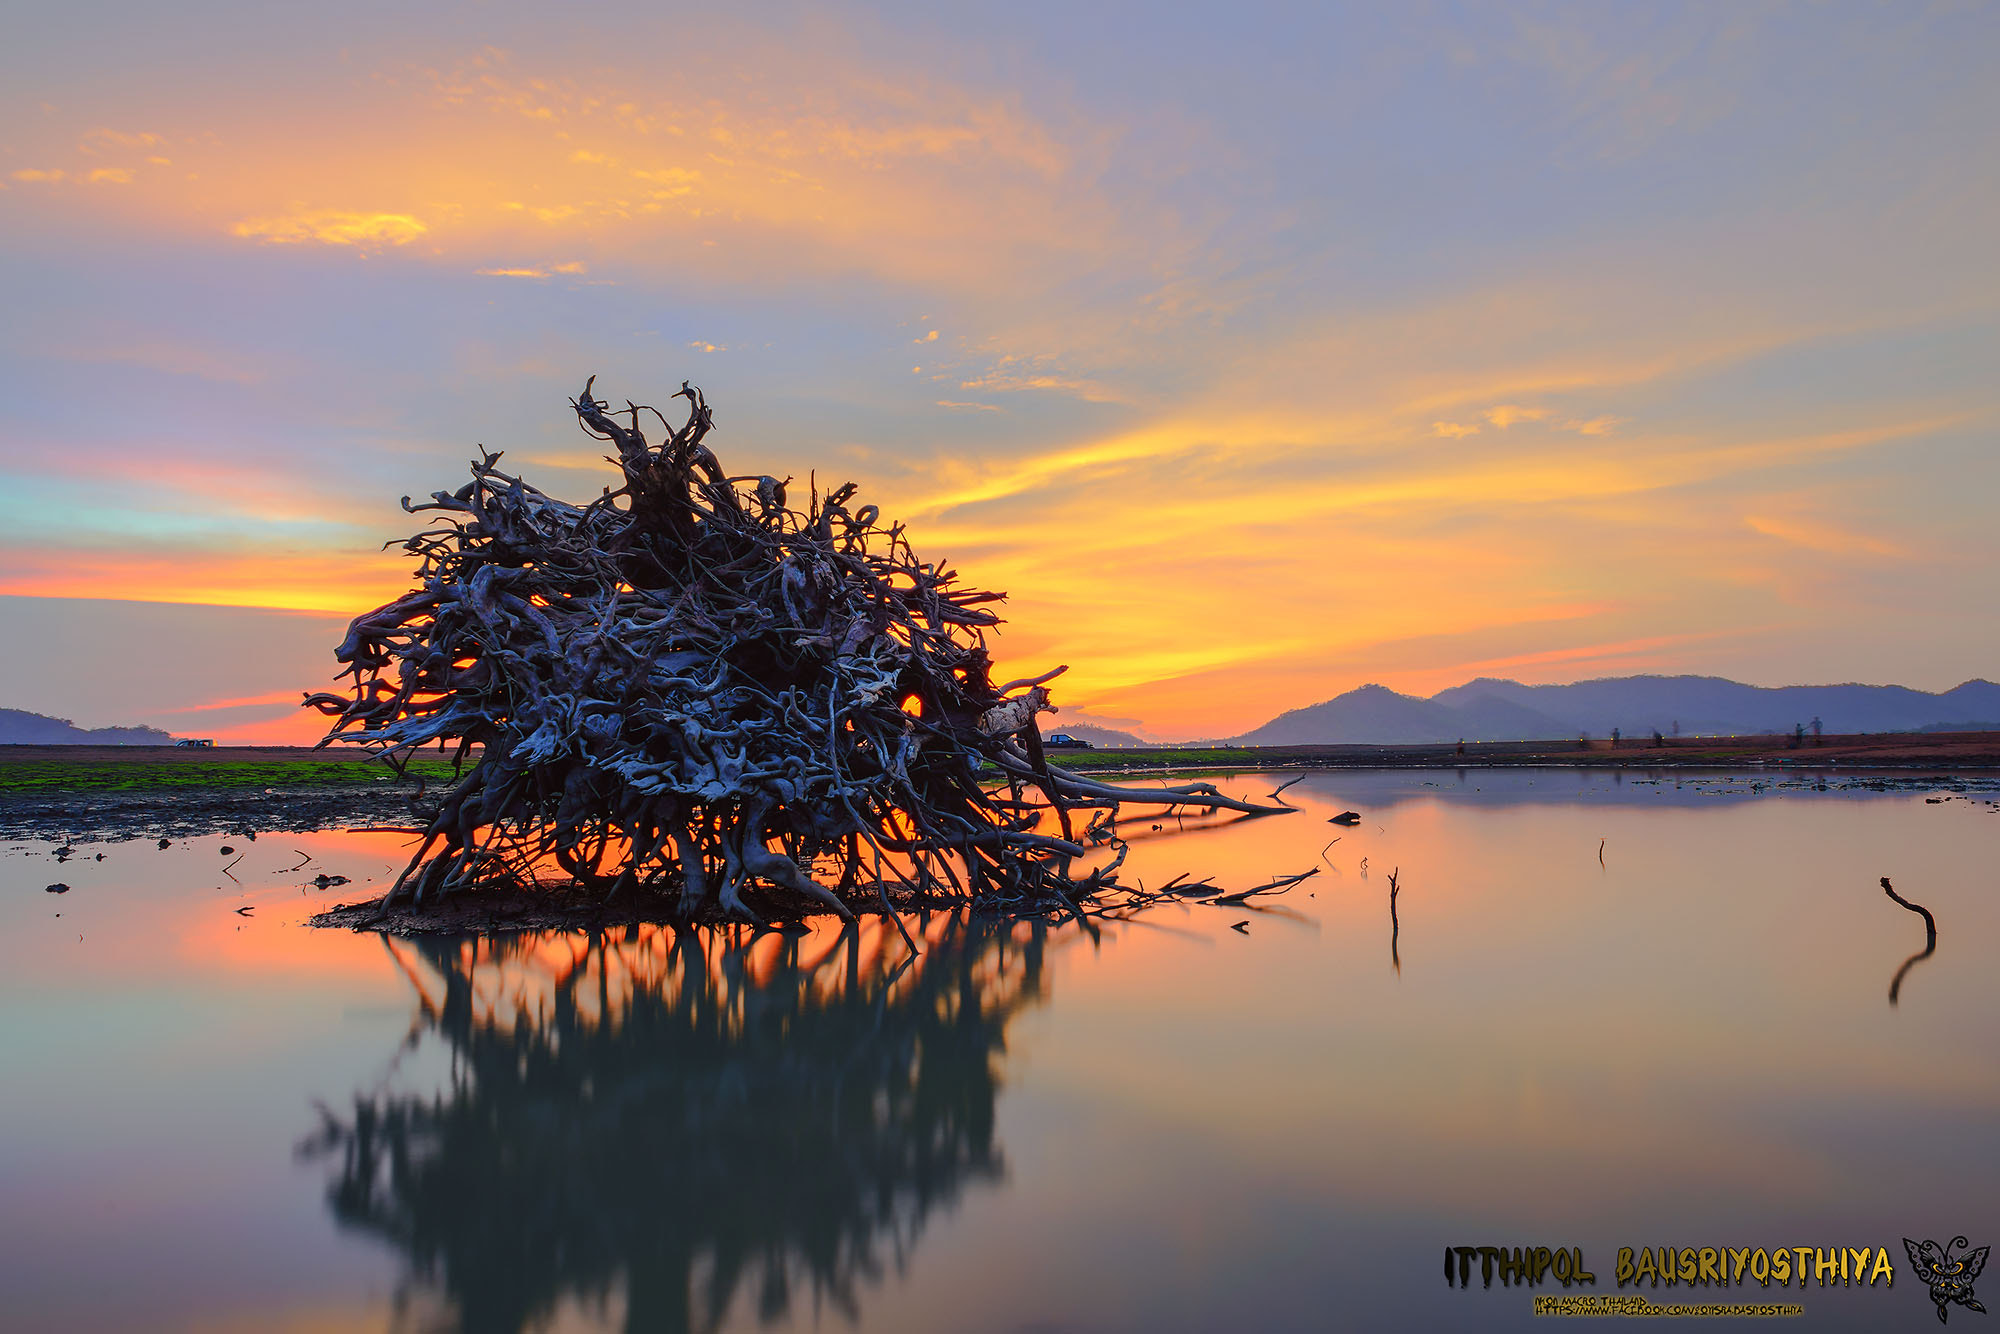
(662,1118)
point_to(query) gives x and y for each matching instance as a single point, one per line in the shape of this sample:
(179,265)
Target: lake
(1610,1011)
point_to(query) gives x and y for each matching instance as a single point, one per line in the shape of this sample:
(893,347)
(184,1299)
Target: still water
(1609,1012)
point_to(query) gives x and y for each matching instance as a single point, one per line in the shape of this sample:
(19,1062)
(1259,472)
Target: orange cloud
(1815,535)
(1647,649)
(102,138)
(1004,382)
(240,702)
(336,582)
(809,165)
(1595,425)
(333,227)
(1508,413)
(1388,563)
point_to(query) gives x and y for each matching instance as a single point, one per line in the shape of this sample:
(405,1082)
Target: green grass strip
(191,775)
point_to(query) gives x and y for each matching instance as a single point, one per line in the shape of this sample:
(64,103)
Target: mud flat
(1929,751)
(91,794)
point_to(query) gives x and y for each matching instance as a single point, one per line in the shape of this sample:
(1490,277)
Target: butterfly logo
(1950,1277)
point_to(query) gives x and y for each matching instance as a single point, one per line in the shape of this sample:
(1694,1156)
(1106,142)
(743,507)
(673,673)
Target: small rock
(325,881)
(58,889)
(166,843)
(1346,817)
(226,849)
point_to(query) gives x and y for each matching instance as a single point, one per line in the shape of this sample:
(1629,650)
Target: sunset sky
(1257,352)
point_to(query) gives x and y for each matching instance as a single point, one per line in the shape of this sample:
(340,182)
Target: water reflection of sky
(1687,1043)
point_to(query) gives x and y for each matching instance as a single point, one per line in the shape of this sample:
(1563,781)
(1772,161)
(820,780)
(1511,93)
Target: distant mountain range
(21,728)
(1490,710)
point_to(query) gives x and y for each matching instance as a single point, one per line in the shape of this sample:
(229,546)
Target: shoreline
(1888,751)
(102,794)
(140,768)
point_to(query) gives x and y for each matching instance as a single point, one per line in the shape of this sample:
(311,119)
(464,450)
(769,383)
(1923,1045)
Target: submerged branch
(1930,938)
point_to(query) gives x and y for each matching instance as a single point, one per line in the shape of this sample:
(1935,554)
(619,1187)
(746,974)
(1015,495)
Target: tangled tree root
(689,686)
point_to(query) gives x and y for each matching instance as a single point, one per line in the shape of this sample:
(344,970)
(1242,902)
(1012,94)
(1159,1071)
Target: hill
(1495,710)
(18,727)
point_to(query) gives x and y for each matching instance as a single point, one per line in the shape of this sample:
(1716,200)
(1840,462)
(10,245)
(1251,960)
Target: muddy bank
(118,816)
(1952,751)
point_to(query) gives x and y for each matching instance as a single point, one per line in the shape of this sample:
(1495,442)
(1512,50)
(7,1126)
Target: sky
(1256,352)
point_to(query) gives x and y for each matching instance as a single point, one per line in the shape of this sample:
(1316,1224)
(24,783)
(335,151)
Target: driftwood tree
(692,684)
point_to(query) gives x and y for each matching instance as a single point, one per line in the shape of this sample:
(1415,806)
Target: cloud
(336,581)
(34,174)
(291,697)
(1452,430)
(574,268)
(796,162)
(1826,538)
(1648,647)
(365,231)
(1090,391)
(930,337)
(108,138)
(700,346)
(111,176)
(1595,425)
(968,407)
(1507,414)
(669,182)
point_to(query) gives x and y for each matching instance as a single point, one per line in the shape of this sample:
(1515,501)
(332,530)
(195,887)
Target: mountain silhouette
(1495,710)
(18,727)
